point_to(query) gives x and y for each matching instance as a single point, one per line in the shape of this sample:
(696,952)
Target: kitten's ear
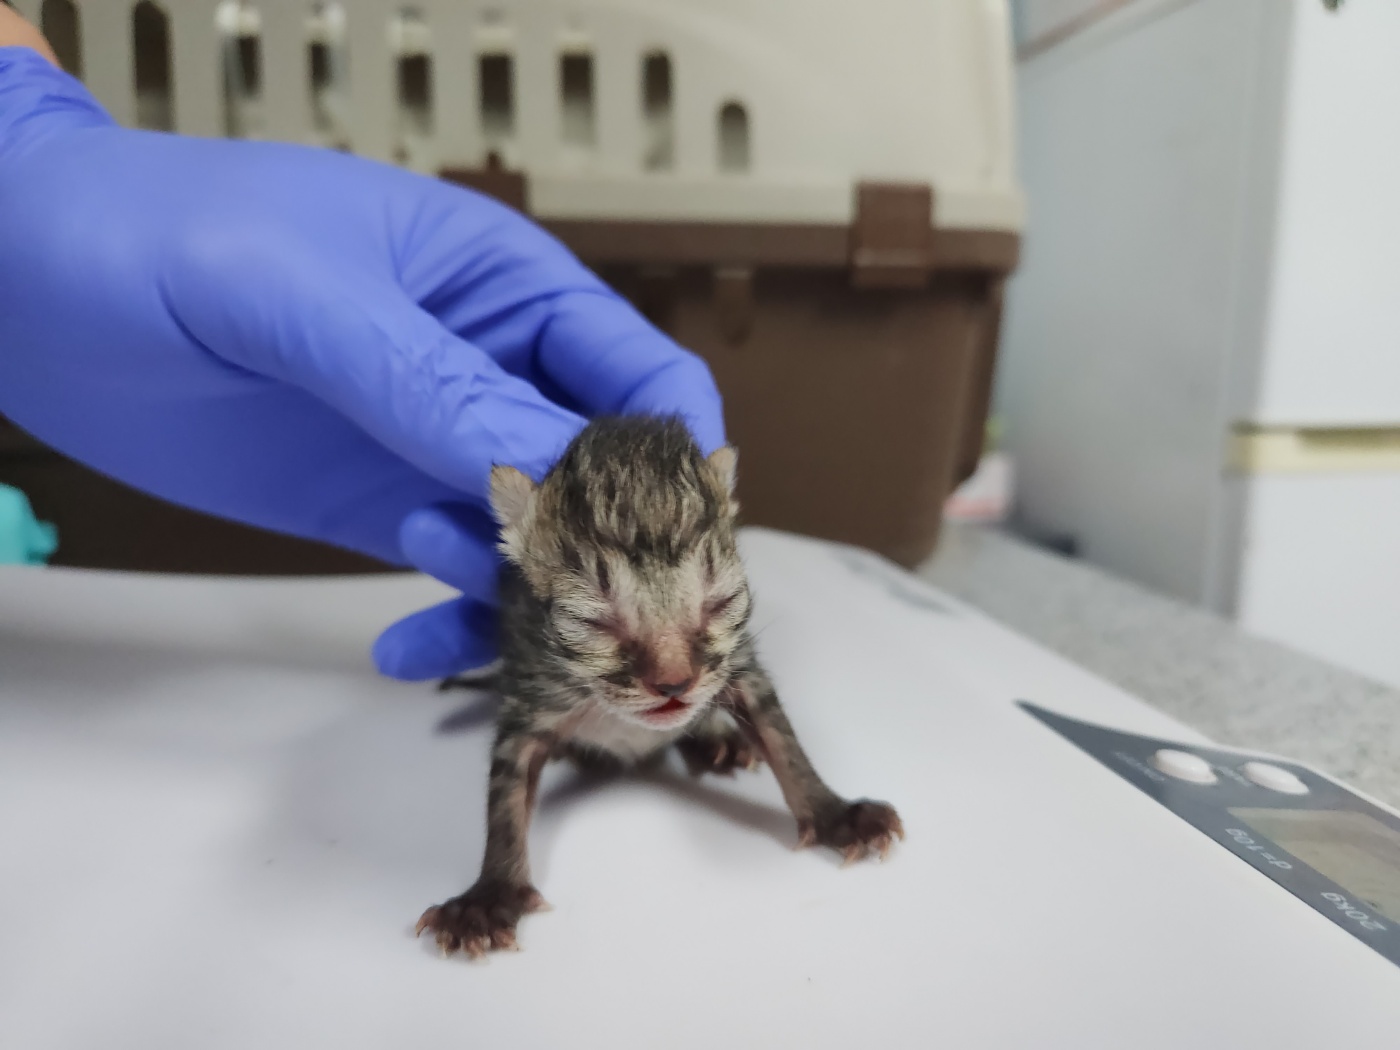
(511,495)
(725,463)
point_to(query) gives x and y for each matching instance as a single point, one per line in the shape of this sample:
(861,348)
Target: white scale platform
(217,827)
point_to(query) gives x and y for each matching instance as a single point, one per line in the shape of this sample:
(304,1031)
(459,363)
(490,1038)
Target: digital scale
(1320,841)
(219,825)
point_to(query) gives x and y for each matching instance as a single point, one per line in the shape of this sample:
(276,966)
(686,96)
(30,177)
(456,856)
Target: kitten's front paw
(482,919)
(717,752)
(854,829)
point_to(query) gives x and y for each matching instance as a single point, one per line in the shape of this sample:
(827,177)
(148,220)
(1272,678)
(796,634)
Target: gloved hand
(303,340)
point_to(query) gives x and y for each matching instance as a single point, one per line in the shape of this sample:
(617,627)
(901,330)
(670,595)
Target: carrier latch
(892,235)
(495,180)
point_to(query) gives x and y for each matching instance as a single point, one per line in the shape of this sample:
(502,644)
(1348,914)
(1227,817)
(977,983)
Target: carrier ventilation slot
(327,75)
(412,43)
(327,72)
(496,91)
(733,137)
(659,151)
(150,41)
(62,26)
(576,99)
(240,36)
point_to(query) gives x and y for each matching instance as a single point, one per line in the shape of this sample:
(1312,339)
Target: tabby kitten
(625,629)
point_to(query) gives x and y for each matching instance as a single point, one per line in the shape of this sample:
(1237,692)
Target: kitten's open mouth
(663,712)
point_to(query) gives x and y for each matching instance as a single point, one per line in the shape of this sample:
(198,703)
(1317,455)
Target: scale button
(1184,766)
(1274,778)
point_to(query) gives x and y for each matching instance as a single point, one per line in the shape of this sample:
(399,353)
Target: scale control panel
(1332,849)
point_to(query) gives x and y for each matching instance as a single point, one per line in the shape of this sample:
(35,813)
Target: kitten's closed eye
(602,625)
(718,606)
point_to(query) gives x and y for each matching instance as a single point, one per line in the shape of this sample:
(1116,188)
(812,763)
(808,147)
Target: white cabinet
(1212,275)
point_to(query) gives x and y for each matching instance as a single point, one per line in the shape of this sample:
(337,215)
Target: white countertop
(219,827)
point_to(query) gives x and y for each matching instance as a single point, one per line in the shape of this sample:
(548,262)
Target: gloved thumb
(438,642)
(456,545)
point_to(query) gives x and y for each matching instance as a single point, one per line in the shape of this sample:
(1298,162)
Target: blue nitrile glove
(304,340)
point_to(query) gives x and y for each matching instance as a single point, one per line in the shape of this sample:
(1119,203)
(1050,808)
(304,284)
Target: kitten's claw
(806,834)
(481,920)
(717,752)
(854,829)
(476,947)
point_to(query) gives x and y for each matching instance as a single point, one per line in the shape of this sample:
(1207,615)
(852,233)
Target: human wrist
(16,32)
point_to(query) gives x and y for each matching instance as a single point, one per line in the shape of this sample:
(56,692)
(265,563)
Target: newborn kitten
(624,630)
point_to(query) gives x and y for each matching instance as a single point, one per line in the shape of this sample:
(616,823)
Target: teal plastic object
(24,540)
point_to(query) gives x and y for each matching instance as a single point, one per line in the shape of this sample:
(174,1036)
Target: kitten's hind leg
(484,684)
(484,679)
(716,745)
(592,762)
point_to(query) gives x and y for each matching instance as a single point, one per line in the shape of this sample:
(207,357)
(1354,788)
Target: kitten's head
(629,542)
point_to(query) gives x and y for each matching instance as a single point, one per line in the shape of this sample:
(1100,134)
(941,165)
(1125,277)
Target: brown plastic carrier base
(855,362)
(848,406)
(104,524)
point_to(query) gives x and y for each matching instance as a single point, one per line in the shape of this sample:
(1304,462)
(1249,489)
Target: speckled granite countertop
(1193,665)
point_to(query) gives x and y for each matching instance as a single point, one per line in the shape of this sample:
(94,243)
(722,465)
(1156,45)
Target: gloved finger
(501,281)
(362,347)
(443,640)
(610,359)
(455,544)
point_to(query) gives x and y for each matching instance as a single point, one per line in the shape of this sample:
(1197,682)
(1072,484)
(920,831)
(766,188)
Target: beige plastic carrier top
(728,110)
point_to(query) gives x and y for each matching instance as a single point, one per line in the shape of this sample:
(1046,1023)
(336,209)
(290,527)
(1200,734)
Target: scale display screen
(1354,850)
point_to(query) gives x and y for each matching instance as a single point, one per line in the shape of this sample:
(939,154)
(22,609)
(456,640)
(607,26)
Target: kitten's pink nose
(670,690)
